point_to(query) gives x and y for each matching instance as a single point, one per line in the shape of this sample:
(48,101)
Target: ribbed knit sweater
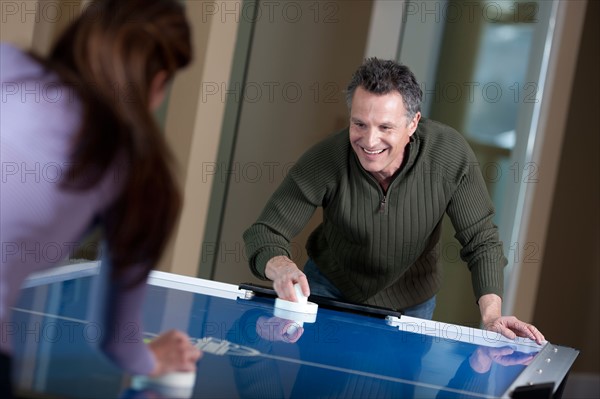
(383,248)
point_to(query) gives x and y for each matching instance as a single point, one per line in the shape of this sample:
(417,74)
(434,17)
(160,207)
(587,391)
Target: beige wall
(307,59)
(193,125)
(568,299)
(35,24)
(17,25)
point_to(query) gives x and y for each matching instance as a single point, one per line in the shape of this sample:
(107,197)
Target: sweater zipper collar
(382,194)
(411,153)
(382,204)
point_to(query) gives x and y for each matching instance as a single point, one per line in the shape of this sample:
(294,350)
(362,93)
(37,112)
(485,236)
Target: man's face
(379,131)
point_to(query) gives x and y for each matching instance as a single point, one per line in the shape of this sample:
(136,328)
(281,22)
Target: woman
(91,115)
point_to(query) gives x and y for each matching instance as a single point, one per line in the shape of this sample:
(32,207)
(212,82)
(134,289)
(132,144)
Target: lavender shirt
(40,220)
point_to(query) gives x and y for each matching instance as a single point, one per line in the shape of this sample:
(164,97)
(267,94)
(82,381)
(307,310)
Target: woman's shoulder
(38,110)
(16,65)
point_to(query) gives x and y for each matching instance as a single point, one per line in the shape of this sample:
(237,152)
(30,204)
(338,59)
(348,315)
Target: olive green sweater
(383,248)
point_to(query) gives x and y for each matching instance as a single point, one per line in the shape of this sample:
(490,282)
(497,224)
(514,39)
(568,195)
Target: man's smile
(373,152)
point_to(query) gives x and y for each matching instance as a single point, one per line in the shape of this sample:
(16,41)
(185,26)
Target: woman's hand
(173,351)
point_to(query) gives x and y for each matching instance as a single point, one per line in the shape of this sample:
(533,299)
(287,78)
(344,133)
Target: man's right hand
(284,273)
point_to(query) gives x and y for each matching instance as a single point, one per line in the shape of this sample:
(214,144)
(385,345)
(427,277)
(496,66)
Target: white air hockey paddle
(299,312)
(178,384)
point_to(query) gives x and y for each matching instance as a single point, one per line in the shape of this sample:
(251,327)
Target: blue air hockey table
(250,351)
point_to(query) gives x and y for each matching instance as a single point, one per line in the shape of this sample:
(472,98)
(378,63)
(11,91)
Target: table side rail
(454,332)
(195,285)
(62,273)
(158,278)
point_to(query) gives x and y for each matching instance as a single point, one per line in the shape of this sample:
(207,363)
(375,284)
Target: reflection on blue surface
(352,356)
(251,353)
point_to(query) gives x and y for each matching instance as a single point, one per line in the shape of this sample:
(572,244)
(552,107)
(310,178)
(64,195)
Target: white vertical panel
(385,29)
(421,42)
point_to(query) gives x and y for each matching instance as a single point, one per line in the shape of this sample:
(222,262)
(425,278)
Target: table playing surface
(250,351)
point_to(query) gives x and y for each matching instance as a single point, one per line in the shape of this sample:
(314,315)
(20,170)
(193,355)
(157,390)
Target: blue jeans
(322,286)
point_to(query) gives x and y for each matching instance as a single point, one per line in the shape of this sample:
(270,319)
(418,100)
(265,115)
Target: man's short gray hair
(386,76)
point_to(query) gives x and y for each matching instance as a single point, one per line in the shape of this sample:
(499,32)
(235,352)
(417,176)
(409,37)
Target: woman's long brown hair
(110,55)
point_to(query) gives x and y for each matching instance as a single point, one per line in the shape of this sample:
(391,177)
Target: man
(384,185)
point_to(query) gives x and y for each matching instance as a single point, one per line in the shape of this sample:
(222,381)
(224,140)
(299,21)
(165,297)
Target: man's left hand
(511,327)
(490,306)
